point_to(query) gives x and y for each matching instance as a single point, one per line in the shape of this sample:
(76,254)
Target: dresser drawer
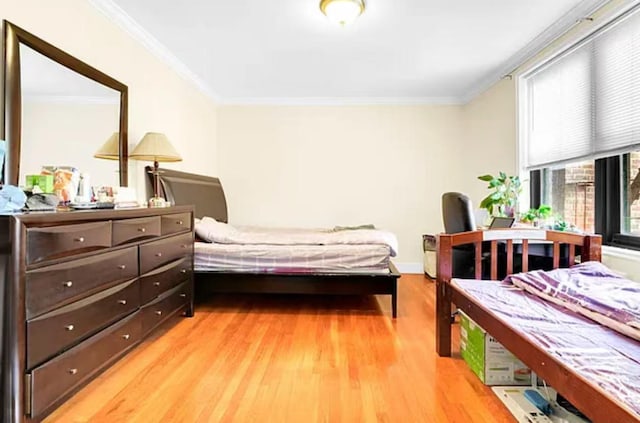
(59,241)
(59,284)
(58,377)
(61,328)
(128,230)
(172,223)
(157,281)
(155,254)
(162,308)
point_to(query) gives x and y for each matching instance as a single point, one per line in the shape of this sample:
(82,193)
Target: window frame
(608,202)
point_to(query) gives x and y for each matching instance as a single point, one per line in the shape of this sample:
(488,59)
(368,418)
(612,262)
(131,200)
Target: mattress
(330,259)
(598,354)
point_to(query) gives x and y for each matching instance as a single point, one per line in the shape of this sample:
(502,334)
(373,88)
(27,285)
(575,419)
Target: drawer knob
(159,312)
(179,222)
(126,337)
(69,327)
(73,371)
(183,270)
(156,284)
(122,266)
(158,254)
(67,284)
(80,239)
(143,230)
(183,295)
(123,302)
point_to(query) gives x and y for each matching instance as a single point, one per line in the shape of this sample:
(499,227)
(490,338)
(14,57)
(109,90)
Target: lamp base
(158,202)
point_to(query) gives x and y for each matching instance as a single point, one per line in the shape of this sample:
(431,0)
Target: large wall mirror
(59,111)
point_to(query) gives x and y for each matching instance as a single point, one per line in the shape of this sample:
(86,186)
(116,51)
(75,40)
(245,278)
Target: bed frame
(579,391)
(207,196)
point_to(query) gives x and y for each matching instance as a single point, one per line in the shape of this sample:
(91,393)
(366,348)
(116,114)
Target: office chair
(457,216)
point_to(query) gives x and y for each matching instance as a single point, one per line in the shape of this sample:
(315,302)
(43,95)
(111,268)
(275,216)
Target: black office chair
(457,216)
(457,213)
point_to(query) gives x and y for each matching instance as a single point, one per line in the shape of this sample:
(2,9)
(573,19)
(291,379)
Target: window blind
(586,103)
(617,87)
(560,125)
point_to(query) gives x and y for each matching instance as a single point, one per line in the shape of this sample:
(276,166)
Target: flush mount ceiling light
(342,11)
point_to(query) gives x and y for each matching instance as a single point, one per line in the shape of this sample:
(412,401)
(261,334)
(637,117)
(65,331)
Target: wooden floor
(292,359)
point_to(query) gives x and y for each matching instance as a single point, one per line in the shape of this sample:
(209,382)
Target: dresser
(80,290)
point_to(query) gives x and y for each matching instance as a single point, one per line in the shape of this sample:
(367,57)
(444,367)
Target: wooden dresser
(80,289)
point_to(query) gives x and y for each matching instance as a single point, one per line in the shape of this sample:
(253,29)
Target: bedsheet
(352,259)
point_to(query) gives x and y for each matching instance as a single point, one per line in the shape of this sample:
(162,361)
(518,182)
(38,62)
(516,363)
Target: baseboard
(412,268)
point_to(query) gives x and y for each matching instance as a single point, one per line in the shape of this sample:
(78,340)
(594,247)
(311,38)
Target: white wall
(159,99)
(338,165)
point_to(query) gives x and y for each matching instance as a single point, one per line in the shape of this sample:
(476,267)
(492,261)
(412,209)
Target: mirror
(60,111)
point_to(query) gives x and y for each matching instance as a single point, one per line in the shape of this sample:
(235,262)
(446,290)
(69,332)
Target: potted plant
(534,216)
(503,199)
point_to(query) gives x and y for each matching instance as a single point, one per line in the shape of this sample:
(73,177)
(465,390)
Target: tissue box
(488,359)
(45,182)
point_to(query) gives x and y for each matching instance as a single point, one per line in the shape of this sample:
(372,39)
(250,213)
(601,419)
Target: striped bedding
(353,259)
(590,289)
(291,250)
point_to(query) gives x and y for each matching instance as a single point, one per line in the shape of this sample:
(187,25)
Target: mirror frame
(12,131)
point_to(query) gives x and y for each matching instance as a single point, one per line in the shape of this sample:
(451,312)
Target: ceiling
(285,50)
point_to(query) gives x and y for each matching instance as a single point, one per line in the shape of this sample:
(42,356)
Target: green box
(488,359)
(45,182)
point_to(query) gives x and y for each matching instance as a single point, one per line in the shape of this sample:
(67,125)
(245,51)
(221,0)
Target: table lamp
(155,147)
(110,150)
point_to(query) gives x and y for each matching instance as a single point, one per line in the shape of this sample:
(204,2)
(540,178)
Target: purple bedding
(596,353)
(590,289)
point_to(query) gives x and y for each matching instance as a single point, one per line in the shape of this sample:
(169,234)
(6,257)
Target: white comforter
(210,230)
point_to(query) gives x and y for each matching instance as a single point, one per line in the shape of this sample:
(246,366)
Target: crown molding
(119,17)
(341,101)
(546,37)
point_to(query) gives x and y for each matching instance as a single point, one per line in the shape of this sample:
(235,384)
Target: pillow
(210,230)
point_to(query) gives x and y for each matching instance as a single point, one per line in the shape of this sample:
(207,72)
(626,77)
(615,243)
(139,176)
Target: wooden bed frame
(587,397)
(207,196)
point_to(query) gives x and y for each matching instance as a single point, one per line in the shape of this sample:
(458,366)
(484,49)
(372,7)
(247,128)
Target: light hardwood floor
(293,359)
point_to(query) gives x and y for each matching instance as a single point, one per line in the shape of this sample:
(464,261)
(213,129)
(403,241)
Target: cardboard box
(45,182)
(488,359)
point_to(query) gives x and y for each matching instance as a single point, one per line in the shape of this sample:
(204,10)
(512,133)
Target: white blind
(586,104)
(617,87)
(560,122)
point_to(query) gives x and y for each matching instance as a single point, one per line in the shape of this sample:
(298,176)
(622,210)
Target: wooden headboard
(182,188)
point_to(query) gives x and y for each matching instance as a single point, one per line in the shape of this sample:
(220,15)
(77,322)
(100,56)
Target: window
(570,192)
(631,194)
(581,138)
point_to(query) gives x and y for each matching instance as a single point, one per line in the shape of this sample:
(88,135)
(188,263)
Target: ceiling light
(342,11)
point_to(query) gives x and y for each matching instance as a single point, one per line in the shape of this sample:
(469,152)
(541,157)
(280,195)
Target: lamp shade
(155,147)
(342,11)
(110,150)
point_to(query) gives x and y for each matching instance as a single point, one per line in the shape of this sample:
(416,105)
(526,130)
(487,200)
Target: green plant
(503,199)
(534,215)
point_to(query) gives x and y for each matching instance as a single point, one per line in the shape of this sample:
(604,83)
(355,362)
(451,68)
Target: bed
(595,368)
(206,194)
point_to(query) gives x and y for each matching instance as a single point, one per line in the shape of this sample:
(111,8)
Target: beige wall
(335,165)
(387,165)
(49,138)
(159,99)
(490,137)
